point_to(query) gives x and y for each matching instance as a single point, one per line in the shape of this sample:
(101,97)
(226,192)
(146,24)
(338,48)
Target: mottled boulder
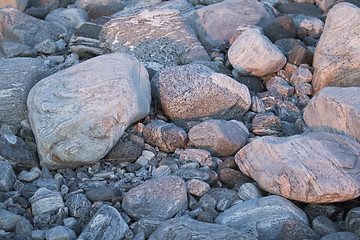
(8,220)
(293,229)
(46,201)
(18,76)
(263,217)
(337,55)
(148,199)
(352,220)
(161,38)
(13,22)
(216,24)
(15,49)
(70,18)
(298,167)
(80,113)
(219,136)
(336,110)
(313,25)
(187,228)
(86,4)
(281,27)
(194,91)
(254,54)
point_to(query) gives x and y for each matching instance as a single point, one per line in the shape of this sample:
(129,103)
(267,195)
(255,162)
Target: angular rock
(323,226)
(102,194)
(263,217)
(302,89)
(147,199)
(270,98)
(194,91)
(197,187)
(281,27)
(23,227)
(45,201)
(187,228)
(352,220)
(71,124)
(335,109)
(219,136)
(266,124)
(257,105)
(107,223)
(297,230)
(7,177)
(281,86)
(301,75)
(28,176)
(18,76)
(286,45)
(60,232)
(341,236)
(97,11)
(14,49)
(8,220)
(300,54)
(37,30)
(337,55)
(125,151)
(215,24)
(167,136)
(297,8)
(201,156)
(249,191)
(160,40)
(18,4)
(47,46)
(70,18)
(253,54)
(230,177)
(298,167)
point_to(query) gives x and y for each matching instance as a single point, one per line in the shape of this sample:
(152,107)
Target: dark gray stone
(299,8)
(15,49)
(125,151)
(270,98)
(266,124)
(8,220)
(97,11)
(249,191)
(300,54)
(78,206)
(28,176)
(103,194)
(341,236)
(38,235)
(287,44)
(7,177)
(323,226)
(280,27)
(47,46)
(204,175)
(147,225)
(352,220)
(60,233)
(296,230)
(49,184)
(230,177)
(24,227)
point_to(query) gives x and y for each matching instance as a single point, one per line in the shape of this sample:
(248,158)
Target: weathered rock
(352,220)
(335,109)
(147,225)
(297,8)
(97,11)
(230,177)
(280,85)
(215,24)
(23,227)
(337,55)
(15,49)
(70,18)
(253,54)
(298,167)
(147,199)
(249,191)
(78,206)
(28,176)
(8,220)
(125,151)
(37,30)
(18,76)
(47,46)
(60,232)
(302,89)
(301,75)
(18,4)
(300,54)
(286,45)
(160,39)
(297,230)
(187,228)
(341,236)
(201,156)
(71,124)
(7,177)
(263,217)
(266,124)
(313,25)
(167,136)
(45,201)
(194,91)
(219,136)
(257,105)
(107,223)
(197,187)
(281,27)
(86,4)
(270,98)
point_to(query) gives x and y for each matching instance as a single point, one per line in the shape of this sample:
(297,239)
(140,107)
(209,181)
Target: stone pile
(180,119)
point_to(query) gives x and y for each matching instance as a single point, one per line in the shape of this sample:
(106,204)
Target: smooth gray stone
(49,184)
(46,201)
(352,220)
(107,223)
(341,236)
(70,18)
(38,235)
(15,49)
(28,176)
(296,230)
(8,220)
(78,206)
(187,228)
(147,225)
(125,151)
(323,226)
(60,233)
(204,175)
(7,177)
(249,191)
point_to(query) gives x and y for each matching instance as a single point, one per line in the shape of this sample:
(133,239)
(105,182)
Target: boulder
(194,91)
(336,110)
(337,55)
(162,39)
(71,122)
(18,4)
(254,54)
(70,18)
(313,25)
(15,49)
(8,220)
(298,167)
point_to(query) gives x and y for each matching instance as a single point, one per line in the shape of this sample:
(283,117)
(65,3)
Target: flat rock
(161,38)
(293,229)
(46,201)
(335,109)
(281,27)
(263,217)
(337,55)
(341,236)
(297,8)
(78,205)
(298,167)
(187,228)
(194,91)
(125,151)
(15,49)
(219,136)
(147,199)
(60,232)
(352,220)
(254,54)
(8,220)
(71,124)
(7,177)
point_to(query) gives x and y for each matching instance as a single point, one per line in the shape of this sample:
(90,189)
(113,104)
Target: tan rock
(315,167)
(18,4)
(337,55)
(335,109)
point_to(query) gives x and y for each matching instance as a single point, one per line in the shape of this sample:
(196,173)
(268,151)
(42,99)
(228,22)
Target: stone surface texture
(18,4)
(70,18)
(7,177)
(45,201)
(298,167)
(71,124)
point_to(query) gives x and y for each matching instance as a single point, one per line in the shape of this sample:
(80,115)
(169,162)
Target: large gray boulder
(335,109)
(162,39)
(80,113)
(18,76)
(263,217)
(298,167)
(337,55)
(194,91)
(46,201)
(70,18)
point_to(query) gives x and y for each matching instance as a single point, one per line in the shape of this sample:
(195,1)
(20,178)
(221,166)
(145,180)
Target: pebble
(249,191)
(197,187)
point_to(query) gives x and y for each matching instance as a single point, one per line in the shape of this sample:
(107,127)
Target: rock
(71,125)
(281,27)
(8,220)
(194,91)
(281,86)
(341,236)
(45,201)
(70,18)
(18,4)
(219,136)
(263,217)
(337,62)
(47,47)
(266,124)
(323,226)
(297,230)
(335,109)
(270,98)
(125,151)
(313,25)
(187,228)
(160,39)
(167,136)
(145,157)
(297,8)
(197,187)
(352,220)
(14,49)
(28,176)
(288,111)
(18,76)
(102,194)
(215,24)
(301,75)
(298,167)
(286,45)
(146,200)
(249,191)
(254,84)
(86,4)
(107,223)
(79,206)
(300,54)
(9,129)
(201,174)
(7,177)
(23,227)
(245,58)
(60,232)
(37,30)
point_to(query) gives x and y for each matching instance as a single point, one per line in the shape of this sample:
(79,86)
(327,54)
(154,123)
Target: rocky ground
(198,119)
